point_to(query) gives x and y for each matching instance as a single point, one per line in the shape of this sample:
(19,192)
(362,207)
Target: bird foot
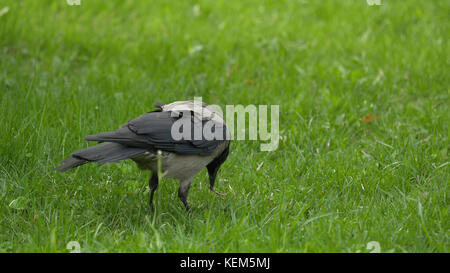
(218,193)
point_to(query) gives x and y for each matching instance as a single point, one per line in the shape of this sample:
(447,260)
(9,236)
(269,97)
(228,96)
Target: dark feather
(103,153)
(70,163)
(153,131)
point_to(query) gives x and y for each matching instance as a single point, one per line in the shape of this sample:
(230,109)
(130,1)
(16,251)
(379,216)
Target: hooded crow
(153,137)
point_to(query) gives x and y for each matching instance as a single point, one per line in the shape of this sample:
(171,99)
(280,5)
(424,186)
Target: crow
(149,139)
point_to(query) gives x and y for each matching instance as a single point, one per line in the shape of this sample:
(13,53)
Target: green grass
(335,183)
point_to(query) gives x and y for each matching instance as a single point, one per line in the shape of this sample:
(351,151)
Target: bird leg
(183,191)
(213,168)
(153,184)
(212,181)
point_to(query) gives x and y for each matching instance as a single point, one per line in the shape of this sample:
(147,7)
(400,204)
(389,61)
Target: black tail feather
(103,153)
(70,163)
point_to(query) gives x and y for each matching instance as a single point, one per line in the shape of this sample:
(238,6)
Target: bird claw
(218,193)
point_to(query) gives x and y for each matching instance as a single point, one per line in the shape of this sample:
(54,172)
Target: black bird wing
(152,131)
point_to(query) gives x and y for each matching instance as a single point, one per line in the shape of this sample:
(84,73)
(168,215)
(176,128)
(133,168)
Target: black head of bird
(149,141)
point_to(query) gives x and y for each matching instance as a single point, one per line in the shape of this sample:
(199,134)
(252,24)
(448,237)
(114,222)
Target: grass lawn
(363,94)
